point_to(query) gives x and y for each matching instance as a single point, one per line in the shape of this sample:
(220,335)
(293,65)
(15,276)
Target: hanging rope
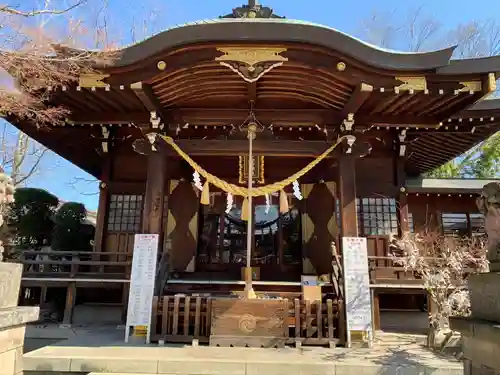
(243,191)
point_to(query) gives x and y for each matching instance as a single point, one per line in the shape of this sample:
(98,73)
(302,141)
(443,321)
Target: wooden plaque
(258,170)
(253,323)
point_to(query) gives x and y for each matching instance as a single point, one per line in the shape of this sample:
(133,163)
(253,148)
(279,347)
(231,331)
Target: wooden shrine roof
(447,185)
(303,80)
(277,30)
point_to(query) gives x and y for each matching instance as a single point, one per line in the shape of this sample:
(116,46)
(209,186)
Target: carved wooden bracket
(251,63)
(105,139)
(92,80)
(412,83)
(402,143)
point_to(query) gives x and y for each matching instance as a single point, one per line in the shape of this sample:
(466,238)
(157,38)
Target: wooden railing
(109,265)
(116,265)
(74,264)
(180,319)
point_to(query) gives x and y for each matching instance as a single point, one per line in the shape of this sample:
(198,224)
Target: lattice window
(477,224)
(463,224)
(377,216)
(454,224)
(411,224)
(125,212)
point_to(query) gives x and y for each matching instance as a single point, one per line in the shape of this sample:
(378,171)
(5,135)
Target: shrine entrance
(276,239)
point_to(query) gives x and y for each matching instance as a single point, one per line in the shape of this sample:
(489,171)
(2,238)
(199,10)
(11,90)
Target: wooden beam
(359,96)
(224,116)
(404,225)
(146,95)
(155,192)
(69,305)
(202,147)
(102,209)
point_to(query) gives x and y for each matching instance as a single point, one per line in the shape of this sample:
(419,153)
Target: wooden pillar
(155,192)
(348,212)
(376,309)
(70,304)
(347,197)
(404,225)
(152,215)
(102,208)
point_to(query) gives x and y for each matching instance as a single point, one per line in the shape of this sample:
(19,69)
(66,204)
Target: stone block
(482,352)
(481,346)
(18,365)
(202,367)
(485,296)
(8,362)
(48,364)
(10,282)
(357,368)
(113,365)
(15,316)
(271,368)
(429,370)
(11,338)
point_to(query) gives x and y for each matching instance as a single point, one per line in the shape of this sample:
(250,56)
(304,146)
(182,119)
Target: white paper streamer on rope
(296,190)
(229,202)
(268,204)
(197,181)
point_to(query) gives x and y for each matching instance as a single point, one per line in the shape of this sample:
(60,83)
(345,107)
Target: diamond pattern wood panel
(319,227)
(182,225)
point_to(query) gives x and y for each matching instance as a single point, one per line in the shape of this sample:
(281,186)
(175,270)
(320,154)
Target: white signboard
(357,286)
(142,280)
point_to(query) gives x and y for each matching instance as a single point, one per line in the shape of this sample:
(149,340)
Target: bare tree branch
(38,12)
(38,62)
(76,181)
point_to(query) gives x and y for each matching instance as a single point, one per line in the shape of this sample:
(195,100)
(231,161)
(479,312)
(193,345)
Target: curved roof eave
(281,31)
(478,65)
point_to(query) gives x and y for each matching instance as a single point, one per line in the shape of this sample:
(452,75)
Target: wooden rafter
(145,94)
(359,96)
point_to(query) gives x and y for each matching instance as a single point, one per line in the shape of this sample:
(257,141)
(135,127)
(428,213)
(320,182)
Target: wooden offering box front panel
(253,323)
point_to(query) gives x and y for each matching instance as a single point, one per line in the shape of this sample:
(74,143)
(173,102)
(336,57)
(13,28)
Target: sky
(130,21)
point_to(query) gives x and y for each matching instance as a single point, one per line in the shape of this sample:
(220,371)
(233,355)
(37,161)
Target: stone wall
(13,320)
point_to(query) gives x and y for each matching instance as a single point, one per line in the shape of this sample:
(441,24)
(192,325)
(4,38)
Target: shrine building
(372,122)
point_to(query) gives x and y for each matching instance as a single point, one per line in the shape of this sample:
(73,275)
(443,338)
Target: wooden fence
(180,319)
(74,264)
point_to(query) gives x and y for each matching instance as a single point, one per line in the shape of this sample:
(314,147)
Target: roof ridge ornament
(252,10)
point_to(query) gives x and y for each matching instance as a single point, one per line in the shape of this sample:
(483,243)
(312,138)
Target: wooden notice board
(357,288)
(142,279)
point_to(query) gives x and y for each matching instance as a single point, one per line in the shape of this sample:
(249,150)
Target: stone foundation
(485,296)
(13,320)
(481,346)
